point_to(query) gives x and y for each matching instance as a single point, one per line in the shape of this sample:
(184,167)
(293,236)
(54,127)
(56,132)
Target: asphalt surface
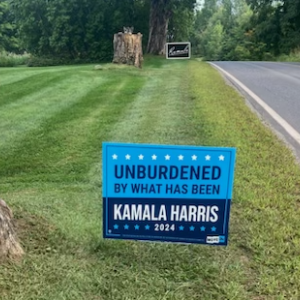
(278,85)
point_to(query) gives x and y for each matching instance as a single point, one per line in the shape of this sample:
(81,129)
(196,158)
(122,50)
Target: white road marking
(285,125)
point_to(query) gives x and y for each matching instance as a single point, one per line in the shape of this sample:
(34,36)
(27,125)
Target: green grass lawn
(52,124)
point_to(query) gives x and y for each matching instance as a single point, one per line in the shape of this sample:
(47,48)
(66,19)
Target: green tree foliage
(221,29)
(202,19)
(277,24)
(289,14)
(181,25)
(212,39)
(238,42)
(8,39)
(266,22)
(83,29)
(76,29)
(251,29)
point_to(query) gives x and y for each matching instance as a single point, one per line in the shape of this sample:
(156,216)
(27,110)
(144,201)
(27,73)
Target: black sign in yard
(178,50)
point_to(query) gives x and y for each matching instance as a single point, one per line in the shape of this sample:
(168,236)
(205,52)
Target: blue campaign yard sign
(167,193)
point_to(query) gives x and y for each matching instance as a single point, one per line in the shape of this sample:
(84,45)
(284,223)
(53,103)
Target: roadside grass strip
(52,124)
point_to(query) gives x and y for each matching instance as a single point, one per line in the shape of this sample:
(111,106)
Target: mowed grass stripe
(168,120)
(14,75)
(61,148)
(28,113)
(148,117)
(158,112)
(15,91)
(10,75)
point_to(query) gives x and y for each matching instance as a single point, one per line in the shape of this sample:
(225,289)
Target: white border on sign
(180,43)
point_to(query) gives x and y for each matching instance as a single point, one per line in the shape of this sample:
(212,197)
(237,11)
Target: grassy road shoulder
(50,169)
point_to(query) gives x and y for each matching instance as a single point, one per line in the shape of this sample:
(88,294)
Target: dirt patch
(34,232)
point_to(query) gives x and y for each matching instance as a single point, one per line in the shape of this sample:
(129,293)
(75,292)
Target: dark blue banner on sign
(167,193)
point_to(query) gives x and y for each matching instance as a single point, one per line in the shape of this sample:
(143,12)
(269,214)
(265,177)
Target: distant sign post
(167,193)
(178,50)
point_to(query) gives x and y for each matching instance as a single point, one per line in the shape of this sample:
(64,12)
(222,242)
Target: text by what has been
(158,188)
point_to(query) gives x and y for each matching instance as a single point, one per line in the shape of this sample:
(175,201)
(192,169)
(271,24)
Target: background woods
(83,30)
(247,29)
(75,31)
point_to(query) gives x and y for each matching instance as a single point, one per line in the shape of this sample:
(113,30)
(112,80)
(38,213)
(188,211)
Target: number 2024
(164,227)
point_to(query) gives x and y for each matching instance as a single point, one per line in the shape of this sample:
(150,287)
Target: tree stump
(9,245)
(128,49)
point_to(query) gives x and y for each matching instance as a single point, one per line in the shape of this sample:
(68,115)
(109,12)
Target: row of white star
(167,157)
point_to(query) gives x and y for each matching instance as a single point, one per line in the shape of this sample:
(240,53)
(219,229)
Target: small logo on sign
(212,240)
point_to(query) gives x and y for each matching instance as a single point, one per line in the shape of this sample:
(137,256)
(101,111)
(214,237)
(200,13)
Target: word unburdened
(167,172)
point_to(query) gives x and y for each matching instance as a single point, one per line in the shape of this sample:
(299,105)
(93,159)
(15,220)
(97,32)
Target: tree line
(247,29)
(218,30)
(84,29)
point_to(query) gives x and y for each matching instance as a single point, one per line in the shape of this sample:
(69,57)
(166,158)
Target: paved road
(278,85)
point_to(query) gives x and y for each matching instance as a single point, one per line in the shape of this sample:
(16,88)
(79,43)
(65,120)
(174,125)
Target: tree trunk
(160,14)
(9,245)
(128,49)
